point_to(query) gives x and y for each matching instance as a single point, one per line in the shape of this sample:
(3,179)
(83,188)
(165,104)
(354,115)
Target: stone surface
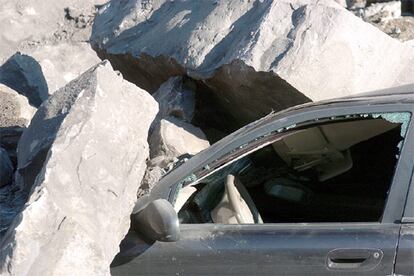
(15,115)
(176,97)
(288,42)
(63,62)
(81,160)
(170,140)
(37,73)
(6,168)
(14,108)
(173,137)
(28,24)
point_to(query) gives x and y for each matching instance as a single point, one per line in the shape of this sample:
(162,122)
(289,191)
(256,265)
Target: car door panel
(209,249)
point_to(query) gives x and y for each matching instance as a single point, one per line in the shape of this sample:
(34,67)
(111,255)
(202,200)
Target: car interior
(339,171)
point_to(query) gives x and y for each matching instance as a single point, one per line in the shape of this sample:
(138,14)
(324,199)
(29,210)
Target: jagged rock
(14,108)
(24,74)
(64,62)
(244,45)
(6,168)
(39,72)
(82,159)
(176,97)
(173,137)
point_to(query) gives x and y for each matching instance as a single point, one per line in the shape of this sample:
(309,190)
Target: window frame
(395,202)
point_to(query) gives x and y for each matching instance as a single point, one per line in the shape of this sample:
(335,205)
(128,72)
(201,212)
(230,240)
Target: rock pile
(78,142)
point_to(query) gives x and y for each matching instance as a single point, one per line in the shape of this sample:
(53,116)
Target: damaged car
(320,189)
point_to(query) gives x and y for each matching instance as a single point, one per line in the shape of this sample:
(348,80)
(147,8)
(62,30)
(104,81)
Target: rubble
(14,108)
(81,161)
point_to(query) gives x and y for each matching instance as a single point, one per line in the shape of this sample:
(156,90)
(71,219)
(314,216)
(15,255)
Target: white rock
(170,139)
(37,73)
(89,141)
(64,62)
(173,138)
(14,108)
(318,47)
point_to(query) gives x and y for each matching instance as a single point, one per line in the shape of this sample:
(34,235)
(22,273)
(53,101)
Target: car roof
(405,90)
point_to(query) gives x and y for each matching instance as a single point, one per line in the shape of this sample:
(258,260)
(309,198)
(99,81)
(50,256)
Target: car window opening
(339,171)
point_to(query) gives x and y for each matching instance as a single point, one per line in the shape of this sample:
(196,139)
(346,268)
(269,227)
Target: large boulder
(171,141)
(37,73)
(81,160)
(255,55)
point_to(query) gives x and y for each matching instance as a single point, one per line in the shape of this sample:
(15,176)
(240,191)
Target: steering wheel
(241,202)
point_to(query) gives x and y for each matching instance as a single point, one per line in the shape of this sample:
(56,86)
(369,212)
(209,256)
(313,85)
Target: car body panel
(404,264)
(268,249)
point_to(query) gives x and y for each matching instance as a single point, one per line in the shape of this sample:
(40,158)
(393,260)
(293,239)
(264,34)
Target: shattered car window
(308,172)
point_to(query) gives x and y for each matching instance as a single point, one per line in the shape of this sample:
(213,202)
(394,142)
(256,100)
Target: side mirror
(158,221)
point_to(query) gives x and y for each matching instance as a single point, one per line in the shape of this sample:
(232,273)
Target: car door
(288,249)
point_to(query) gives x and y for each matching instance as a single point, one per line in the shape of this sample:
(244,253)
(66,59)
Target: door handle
(353,259)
